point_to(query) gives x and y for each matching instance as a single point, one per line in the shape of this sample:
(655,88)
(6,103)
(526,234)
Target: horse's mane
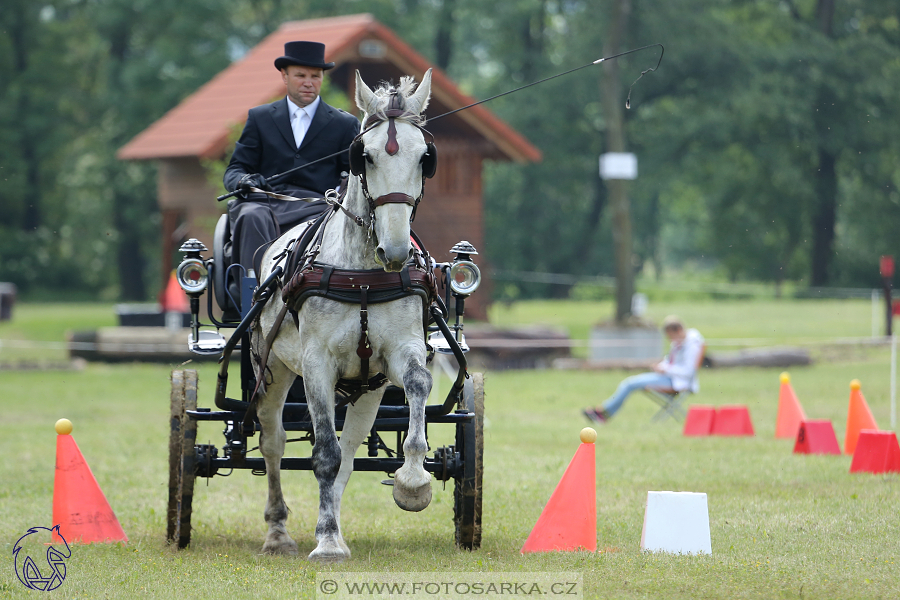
(403,90)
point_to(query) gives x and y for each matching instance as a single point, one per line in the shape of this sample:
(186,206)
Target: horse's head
(391,157)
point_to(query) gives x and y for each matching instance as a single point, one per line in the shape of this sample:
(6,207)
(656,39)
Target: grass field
(733,322)
(782,526)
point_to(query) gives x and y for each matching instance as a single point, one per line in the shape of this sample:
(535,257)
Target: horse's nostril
(379,252)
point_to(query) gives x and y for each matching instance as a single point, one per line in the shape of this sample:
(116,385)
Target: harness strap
(364,349)
(327,271)
(350,390)
(304,246)
(247,424)
(405,279)
(395,198)
(392,146)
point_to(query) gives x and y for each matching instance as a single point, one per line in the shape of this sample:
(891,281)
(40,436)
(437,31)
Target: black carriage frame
(463,407)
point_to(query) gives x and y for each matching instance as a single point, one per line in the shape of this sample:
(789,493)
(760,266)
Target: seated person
(676,373)
(295,130)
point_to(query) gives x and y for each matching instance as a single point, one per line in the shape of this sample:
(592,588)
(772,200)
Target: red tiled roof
(201,123)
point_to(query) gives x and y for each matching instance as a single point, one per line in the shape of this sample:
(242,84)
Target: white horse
(322,346)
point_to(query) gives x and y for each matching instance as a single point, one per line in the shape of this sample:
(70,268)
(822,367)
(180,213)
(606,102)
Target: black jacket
(267,146)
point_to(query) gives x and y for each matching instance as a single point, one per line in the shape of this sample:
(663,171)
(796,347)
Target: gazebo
(200,127)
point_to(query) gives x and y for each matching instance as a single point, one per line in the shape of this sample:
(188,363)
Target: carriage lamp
(191,274)
(465,276)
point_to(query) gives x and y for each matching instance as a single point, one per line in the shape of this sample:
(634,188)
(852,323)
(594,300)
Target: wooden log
(761,357)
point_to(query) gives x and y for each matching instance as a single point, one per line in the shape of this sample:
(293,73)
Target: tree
(611,93)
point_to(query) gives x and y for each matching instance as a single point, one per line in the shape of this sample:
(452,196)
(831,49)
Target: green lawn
(48,325)
(782,526)
(770,321)
(51,322)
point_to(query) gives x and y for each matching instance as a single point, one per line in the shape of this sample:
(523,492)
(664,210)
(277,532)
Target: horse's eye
(368,158)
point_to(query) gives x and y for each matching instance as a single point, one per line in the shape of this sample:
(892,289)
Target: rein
(332,199)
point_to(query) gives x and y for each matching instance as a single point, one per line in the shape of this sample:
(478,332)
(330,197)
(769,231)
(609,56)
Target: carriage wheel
(467,489)
(182,456)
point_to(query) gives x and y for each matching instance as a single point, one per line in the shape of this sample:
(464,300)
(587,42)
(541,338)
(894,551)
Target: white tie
(300,125)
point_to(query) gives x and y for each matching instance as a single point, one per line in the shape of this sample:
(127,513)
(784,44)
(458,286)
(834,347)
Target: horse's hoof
(280,544)
(413,500)
(330,552)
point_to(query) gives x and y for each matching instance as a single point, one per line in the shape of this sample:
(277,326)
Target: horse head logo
(27,569)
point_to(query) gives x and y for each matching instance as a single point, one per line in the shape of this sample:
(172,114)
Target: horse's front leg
(271,445)
(412,483)
(357,425)
(319,381)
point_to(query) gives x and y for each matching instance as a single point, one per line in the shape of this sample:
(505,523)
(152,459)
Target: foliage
(766,140)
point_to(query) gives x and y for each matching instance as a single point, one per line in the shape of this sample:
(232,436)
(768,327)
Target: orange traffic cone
(569,521)
(859,417)
(173,298)
(790,413)
(79,506)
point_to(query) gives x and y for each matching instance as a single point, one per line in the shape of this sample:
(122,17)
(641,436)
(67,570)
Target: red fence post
(886,268)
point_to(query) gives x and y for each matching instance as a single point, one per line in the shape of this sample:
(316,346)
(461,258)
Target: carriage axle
(445,464)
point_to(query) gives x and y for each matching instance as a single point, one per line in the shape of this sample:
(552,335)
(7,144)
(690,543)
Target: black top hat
(305,54)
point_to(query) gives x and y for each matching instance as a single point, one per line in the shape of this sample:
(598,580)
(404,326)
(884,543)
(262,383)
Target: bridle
(358,156)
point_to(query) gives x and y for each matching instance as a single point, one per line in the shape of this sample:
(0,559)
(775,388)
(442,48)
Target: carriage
(242,301)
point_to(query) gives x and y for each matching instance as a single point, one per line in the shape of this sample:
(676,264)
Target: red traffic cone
(699,421)
(859,417)
(569,520)
(173,298)
(876,452)
(733,420)
(79,506)
(790,413)
(816,436)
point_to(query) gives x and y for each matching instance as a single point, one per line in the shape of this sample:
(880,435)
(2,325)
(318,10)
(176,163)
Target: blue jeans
(631,384)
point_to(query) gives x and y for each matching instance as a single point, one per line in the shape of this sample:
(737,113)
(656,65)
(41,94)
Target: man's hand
(252,180)
(659,368)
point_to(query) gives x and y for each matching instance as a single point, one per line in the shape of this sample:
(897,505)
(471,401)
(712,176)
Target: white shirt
(301,118)
(683,360)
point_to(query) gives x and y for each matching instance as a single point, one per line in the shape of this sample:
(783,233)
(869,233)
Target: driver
(290,132)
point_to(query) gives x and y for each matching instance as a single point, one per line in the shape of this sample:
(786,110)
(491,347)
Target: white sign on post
(618,165)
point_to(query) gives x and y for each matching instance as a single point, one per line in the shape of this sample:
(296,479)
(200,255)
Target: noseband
(358,157)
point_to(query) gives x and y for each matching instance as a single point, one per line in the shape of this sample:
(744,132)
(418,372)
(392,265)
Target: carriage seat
(226,283)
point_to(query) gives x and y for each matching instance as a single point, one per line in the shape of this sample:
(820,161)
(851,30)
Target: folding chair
(670,401)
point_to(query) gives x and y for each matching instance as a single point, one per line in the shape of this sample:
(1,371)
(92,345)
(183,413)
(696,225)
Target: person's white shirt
(682,361)
(295,112)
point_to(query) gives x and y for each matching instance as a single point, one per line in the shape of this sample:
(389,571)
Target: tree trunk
(824,218)
(589,233)
(129,258)
(652,239)
(611,97)
(825,212)
(443,43)
(21,38)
